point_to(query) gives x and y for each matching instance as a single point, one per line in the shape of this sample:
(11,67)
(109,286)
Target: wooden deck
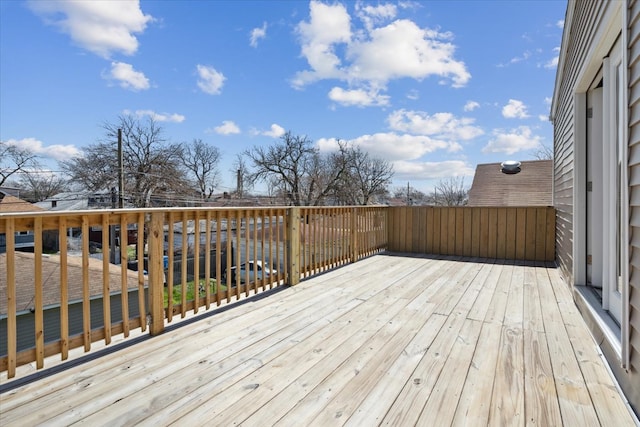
(390,340)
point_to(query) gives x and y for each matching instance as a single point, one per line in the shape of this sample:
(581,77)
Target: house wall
(587,34)
(633,16)
(585,16)
(25,321)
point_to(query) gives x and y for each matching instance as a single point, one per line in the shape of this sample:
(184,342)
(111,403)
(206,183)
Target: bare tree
(151,165)
(201,160)
(40,185)
(543,152)
(411,195)
(242,174)
(14,160)
(451,192)
(306,176)
(366,177)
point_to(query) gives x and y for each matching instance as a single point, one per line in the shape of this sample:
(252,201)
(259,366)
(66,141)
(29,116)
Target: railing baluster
(293,250)
(64,289)
(196,262)
(207,261)
(262,238)
(86,303)
(285,249)
(218,258)
(141,297)
(12,331)
(156,287)
(170,266)
(183,265)
(229,235)
(39,314)
(124,277)
(106,253)
(278,243)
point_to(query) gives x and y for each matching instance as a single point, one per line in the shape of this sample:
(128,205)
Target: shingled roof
(9,203)
(25,293)
(532,186)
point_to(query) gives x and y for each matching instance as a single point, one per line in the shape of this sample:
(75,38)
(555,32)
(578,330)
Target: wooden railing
(522,233)
(96,274)
(117,270)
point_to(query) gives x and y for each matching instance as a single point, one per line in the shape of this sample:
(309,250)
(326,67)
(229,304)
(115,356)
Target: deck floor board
(390,340)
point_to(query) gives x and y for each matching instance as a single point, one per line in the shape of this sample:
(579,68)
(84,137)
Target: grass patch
(177,291)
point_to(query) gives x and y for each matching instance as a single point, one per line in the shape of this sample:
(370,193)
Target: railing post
(293,246)
(354,234)
(156,273)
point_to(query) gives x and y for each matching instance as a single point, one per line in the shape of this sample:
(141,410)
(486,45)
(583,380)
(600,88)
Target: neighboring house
(495,186)
(11,204)
(25,296)
(75,201)
(595,112)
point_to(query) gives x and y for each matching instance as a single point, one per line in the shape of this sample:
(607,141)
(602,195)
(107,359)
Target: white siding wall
(634,191)
(585,17)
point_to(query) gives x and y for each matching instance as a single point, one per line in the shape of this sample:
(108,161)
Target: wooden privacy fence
(518,233)
(95,274)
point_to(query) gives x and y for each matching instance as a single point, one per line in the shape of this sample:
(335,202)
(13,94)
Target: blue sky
(433,87)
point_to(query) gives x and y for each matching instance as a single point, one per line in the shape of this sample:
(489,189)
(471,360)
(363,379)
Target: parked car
(257,270)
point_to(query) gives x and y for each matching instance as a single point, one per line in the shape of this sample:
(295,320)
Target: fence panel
(523,233)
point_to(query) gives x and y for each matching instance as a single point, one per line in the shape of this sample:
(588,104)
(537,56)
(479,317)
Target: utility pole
(120,172)
(112,229)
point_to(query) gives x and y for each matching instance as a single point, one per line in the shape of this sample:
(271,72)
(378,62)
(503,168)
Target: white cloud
(227,128)
(371,15)
(158,117)
(513,141)
(390,146)
(413,94)
(257,34)
(209,80)
(55,151)
(560,23)
(526,55)
(328,25)
(373,55)
(548,100)
(101,27)
(276,131)
(471,105)
(553,62)
(402,49)
(358,97)
(515,110)
(127,77)
(439,125)
(432,170)
(543,118)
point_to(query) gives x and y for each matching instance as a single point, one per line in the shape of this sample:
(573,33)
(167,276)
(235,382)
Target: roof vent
(510,167)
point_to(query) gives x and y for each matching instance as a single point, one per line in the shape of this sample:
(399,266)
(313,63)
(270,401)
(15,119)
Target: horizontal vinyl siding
(583,25)
(634,201)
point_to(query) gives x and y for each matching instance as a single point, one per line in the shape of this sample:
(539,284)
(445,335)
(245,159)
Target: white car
(257,270)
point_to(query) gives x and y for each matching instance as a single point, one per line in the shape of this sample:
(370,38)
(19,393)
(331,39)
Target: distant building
(12,204)
(74,201)
(531,185)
